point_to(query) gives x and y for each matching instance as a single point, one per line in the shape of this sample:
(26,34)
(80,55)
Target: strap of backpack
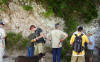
(76,35)
(81,35)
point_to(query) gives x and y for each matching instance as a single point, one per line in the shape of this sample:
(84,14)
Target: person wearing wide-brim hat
(2,40)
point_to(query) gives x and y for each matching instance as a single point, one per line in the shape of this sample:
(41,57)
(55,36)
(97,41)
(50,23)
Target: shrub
(27,7)
(15,41)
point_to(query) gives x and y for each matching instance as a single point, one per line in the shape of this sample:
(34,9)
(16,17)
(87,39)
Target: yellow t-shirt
(84,40)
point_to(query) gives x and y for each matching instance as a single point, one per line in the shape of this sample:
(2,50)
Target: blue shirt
(91,39)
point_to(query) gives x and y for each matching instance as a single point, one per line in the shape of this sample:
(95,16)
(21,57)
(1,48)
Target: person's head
(90,33)
(32,27)
(80,29)
(1,24)
(57,26)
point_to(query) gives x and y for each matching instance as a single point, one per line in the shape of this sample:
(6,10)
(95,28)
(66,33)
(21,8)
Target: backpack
(77,46)
(37,33)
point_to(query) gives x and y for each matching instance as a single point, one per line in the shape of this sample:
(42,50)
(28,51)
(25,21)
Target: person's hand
(3,46)
(90,43)
(58,46)
(61,40)
(33,40)
(37,38)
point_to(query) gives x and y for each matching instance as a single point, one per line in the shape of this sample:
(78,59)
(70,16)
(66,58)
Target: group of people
(79,41)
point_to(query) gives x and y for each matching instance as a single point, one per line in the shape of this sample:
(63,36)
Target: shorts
(78,59)
(38,48)
(90,53)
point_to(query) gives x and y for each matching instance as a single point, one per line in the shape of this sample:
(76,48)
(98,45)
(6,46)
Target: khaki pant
(78,59)
(39,48)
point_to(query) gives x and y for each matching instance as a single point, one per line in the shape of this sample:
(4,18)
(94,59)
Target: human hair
(57,25)
(80,28)
(32,26)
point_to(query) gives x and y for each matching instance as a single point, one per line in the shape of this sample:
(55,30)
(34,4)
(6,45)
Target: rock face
(94,26)
(19,20)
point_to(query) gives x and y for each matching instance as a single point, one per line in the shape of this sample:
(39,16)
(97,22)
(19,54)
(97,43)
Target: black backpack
(77,46)
(37,33)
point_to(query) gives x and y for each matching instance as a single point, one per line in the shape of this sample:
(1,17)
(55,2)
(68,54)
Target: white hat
(91,32)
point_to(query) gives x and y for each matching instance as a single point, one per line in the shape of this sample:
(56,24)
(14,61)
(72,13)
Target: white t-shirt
(2,41)
(56,36)
(2,33)
(92,39)
(77,32)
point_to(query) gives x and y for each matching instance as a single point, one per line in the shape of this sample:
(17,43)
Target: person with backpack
(2,40)
(78,41)
(91,46)
(39,41)
(57,37)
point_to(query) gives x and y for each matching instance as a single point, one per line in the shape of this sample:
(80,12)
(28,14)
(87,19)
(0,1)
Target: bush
(5,2)
(27,7)
(48,13)
(3,9)
(73,12)
(16,41)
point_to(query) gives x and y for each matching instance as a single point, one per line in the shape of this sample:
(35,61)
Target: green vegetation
(27,7)
(3,9)
(4,2)
(73,12)
(16,41)
(48,13)
(3,5)
(80,9)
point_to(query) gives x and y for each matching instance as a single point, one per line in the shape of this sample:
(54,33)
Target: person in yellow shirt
(78,56)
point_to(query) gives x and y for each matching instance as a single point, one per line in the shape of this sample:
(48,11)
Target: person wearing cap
(57,37)
(2,40)
(30,52)
(78,56)
(91,46)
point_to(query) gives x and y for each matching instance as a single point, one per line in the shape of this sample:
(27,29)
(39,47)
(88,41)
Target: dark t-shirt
(37,34)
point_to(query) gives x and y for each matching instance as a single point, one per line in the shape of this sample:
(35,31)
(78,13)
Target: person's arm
(86,39)
(41,35)
(48,36)
(4,38)
(72,40)
(65,36)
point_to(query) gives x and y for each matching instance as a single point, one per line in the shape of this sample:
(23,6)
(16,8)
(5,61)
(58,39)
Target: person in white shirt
(2,40)
(57,37)
(91,46)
